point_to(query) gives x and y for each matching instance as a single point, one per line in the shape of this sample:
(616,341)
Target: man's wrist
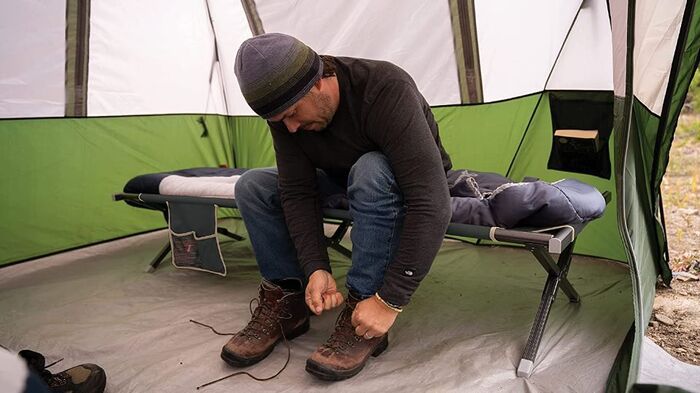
(388,305)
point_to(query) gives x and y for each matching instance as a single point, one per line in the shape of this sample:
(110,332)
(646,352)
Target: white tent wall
(414,34)
(656,29)
(152,57)
(158,56)
(231,28)
(32,49)
(517,61)
(586,59)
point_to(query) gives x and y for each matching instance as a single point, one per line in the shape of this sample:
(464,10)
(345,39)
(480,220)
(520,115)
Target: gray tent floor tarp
(463,331)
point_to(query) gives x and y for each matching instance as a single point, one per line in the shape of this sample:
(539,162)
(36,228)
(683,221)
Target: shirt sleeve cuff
(393,298)
(312,266)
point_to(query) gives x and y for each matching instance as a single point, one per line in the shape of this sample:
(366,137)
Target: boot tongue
(289,285)
(270,291)
(270,286)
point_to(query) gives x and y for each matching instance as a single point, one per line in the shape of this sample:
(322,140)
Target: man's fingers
(314,300)
(332,300)
(338,298)
(361,330)
(354,319)
(327,301)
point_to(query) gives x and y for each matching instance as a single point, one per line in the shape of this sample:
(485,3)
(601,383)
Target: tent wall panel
(33,58)
(648,124)
(252,143)
(159,143)
(656,37)
(640,227)
(586,60)
(468,132)
(516,64)
(231,28)
(139,65)
(688,58)
(59,175)
(601,239)
(403,33)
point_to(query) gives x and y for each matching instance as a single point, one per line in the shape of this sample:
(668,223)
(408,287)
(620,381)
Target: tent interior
(94,93)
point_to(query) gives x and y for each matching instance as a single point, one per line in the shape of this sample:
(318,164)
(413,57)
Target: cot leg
(334,241)
(556,277)
(158,259)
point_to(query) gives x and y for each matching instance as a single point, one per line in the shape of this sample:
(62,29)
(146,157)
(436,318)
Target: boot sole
(328,374)
(237,361)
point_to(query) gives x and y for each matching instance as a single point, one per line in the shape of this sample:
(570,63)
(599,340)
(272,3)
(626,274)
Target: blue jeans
(376,206)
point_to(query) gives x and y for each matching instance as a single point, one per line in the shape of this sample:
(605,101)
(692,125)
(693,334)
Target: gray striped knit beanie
(274,71)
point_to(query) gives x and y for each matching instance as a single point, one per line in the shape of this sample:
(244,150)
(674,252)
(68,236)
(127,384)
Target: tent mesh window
(581,126)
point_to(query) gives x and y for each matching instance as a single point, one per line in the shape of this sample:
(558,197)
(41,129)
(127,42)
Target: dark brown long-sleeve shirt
(381,110)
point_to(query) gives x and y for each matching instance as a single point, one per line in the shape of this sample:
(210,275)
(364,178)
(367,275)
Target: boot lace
(262,311)
(56,380)
(262,319)
(343,337)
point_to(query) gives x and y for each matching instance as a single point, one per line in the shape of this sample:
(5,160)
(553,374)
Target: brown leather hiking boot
(345,353)
(279,310)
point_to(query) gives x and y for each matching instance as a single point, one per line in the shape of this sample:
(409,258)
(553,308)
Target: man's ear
(318,83)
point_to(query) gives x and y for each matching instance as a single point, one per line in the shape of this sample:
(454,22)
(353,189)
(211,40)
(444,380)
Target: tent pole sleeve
(251,13)
(466,51)
(77,53)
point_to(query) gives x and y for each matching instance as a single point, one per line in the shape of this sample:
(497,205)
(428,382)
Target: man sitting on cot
(339,125)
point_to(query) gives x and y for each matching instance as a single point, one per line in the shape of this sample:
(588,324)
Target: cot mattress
(477,198)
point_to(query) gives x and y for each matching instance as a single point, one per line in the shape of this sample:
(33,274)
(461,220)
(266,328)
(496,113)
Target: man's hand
(321,292)
(372,319)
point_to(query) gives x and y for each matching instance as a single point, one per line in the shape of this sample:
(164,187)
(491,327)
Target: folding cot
(551,246)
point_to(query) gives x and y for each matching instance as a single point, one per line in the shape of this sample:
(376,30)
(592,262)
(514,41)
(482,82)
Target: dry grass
(681,196)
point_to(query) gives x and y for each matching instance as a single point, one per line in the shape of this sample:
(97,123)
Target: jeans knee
(256,185)
(371,176)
